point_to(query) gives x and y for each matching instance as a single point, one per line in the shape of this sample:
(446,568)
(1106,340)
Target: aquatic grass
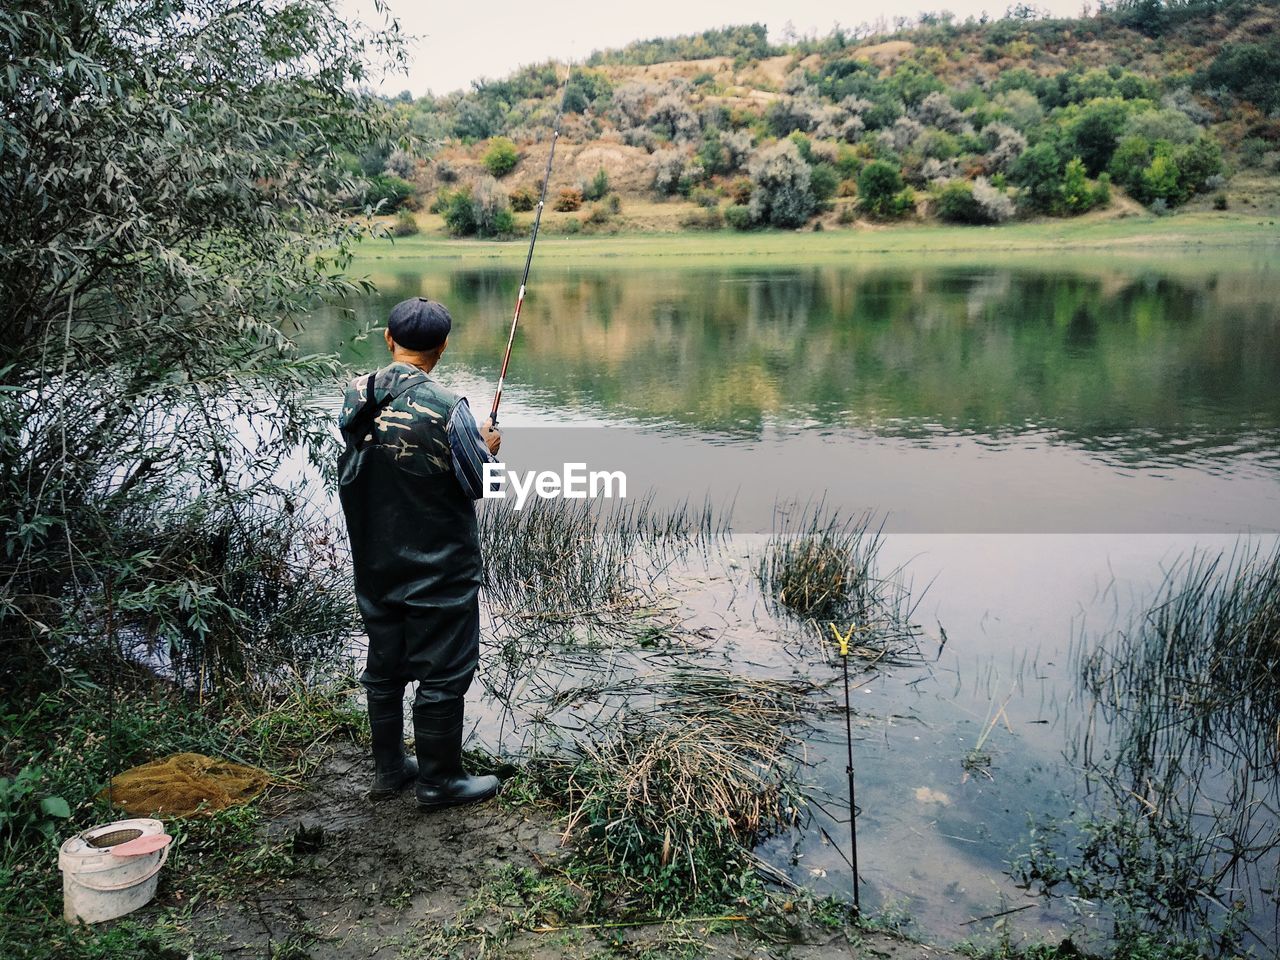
(1210,646)
(819,565)
(560,560)
(821,568)
(228,601)
(567,579)
(678,777)
(1181,828)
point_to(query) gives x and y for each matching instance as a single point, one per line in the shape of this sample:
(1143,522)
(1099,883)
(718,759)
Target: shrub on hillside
(937,111)
(672,118)
(1039,173)
(478,119)
(406,224)
(1151,171)
(737,146)
(630,104)
(523,199)
(481,211)
(1184,101)
(704,197)
(1077,194)
(937,145)
(881,190)
(599,214)
(1004,145)
(1091,132)
(711,154)
(501,157)
(641,137)
(402,164)
(386,193)
(570,199)
(738,216)
(780,180)
(804,144)
(445,171)
(598,186)
(584,89)
(459,216)
(996,205)
(703,219)
(1171,125)
(1253,151)
(823,182)
(1248,70)
(1019,108)
(1199,162)
(955,203)
(902,136)
(491,209)
(668,169)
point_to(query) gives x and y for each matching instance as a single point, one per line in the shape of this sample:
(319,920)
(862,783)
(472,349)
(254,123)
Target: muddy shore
(381,880)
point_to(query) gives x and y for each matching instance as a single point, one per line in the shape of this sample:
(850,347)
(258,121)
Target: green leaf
(55,807)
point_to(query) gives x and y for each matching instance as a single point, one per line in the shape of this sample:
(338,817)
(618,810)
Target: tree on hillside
(881,191)
(780,193)
(501,157)
(174,184)
(749,42)
(672,117)
(1249,71)
(1039,172)
(1091,132)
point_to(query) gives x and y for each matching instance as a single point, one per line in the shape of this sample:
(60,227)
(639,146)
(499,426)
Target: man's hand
(491,436)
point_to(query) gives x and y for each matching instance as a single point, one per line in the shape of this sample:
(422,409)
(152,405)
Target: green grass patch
(60,748)
(1134,236)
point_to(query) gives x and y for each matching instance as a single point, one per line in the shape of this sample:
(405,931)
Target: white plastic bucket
(111,870)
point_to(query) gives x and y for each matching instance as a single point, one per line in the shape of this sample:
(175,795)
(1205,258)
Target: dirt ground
(381,880)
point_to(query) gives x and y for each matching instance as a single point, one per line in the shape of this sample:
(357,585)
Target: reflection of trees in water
(1181,749)
(1082,358)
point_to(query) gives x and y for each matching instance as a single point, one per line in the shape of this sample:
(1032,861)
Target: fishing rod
(533,239)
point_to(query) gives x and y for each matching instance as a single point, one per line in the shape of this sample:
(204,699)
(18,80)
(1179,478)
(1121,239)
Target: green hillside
(1145,105)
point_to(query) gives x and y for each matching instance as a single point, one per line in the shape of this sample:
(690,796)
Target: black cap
(419,323)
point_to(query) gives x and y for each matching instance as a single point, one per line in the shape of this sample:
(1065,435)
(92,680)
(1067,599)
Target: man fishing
(407,479)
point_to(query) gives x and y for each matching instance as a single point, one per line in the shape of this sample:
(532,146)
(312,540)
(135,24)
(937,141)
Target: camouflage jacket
(412,524)
(416,422)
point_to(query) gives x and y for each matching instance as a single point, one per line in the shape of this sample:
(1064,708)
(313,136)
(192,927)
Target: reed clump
(819,565)
(1201,670)
(685,773)
(1180,747)
(823,568)
(583,561)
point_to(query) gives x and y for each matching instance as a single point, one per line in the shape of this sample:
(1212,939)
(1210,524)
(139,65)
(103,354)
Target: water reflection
(1136,367)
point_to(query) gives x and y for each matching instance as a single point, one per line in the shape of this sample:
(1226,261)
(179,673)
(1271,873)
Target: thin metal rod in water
(843,641)
(528,260)
(853,803)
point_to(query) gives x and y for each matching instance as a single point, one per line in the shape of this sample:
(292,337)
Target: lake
(1042,438)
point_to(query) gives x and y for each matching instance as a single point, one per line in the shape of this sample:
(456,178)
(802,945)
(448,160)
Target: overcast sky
(466,39)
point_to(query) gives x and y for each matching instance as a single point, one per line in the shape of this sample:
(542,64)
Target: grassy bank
(1130,236)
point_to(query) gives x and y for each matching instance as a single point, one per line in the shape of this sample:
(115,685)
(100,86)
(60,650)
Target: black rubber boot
(392,770)
(437,733)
